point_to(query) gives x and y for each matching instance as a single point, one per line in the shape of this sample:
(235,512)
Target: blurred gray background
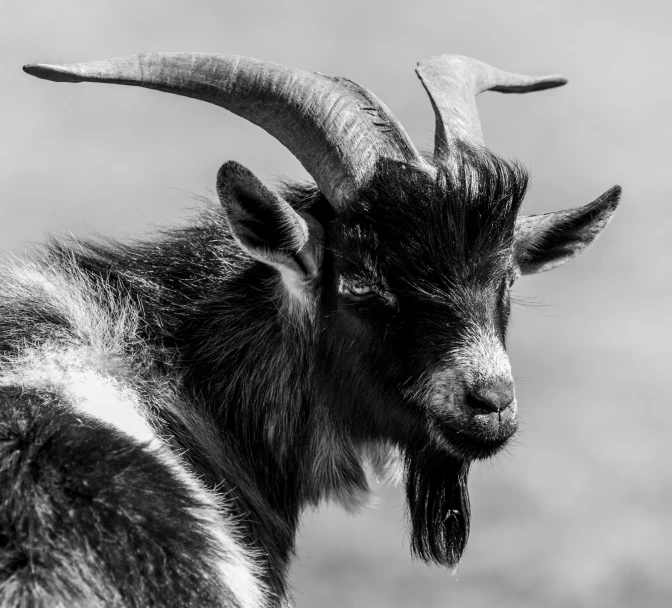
(577,512)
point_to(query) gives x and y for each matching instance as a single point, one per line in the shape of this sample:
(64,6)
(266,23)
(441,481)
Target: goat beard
(438,504)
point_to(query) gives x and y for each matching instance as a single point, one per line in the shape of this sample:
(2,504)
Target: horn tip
(513,83)
(551,82)
(55,73)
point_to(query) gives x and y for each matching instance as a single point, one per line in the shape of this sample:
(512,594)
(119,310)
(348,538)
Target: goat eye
(360,289)
(369,292)
(355,288)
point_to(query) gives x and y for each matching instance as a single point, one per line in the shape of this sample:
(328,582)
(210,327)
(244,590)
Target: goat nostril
(489,400)
(476,403)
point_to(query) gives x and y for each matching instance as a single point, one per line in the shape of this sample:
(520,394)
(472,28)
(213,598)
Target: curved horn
(335,128)
(452,83)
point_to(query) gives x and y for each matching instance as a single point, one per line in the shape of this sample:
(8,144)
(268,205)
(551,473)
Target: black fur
(444,245)
(438,504)
(295,401)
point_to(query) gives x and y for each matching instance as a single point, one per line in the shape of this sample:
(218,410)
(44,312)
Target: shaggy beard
(438,504)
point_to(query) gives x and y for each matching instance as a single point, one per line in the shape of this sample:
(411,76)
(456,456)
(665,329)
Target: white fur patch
(479,361)
(105,398)
(482,357)
(384,462)
(87,367)
(238,572)
(67,373)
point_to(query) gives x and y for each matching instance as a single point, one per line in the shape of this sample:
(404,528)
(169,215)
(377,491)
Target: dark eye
(360,289)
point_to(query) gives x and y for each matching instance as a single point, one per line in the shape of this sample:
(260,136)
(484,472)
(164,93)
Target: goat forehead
(425,254)
(466,213)
(435,225)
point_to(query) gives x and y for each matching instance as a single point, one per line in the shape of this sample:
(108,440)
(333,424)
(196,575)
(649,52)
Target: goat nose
(492,398)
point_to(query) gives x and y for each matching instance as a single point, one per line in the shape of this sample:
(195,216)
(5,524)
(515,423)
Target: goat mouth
(478,440)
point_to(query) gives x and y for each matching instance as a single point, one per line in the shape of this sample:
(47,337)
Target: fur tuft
(438,505)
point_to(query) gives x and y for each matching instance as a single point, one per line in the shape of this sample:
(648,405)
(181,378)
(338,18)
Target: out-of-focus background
(577,513)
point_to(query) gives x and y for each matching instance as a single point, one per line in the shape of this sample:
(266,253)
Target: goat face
(418,283)
(408,289)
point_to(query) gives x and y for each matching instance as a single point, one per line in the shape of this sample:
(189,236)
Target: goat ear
(542,242)
(266,226)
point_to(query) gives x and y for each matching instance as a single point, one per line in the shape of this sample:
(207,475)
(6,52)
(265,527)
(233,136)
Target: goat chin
(475,434)
(470,445)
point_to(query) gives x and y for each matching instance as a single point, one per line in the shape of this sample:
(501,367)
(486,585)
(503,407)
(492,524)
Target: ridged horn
(334,127)
(452,83)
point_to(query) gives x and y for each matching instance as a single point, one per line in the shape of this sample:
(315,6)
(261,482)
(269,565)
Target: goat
(169,407)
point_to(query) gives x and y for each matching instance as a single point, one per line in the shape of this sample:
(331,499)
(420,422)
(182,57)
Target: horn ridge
(337,129)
